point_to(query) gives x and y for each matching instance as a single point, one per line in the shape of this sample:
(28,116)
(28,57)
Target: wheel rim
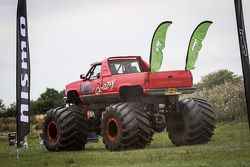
(113,129)
(52,132)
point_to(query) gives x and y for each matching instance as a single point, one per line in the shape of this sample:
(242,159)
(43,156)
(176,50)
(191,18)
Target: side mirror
(82,76)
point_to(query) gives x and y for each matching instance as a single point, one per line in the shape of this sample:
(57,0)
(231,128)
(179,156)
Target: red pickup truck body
(105,80)
(123,101)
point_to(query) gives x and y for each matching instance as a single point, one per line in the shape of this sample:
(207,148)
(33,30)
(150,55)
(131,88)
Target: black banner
(244,53)
(22,73)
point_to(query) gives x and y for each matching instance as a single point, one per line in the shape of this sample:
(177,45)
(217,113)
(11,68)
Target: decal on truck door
(109,85)
(85,88)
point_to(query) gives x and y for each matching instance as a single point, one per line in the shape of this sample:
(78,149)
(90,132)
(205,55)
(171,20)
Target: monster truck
(120,99)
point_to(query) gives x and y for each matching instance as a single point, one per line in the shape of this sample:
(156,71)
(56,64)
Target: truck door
(93,80)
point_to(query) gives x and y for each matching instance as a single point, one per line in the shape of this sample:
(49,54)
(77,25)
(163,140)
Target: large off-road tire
(126,126)
(65,129)
(194,124)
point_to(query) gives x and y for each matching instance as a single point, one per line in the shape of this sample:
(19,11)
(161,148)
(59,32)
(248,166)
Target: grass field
(230,147)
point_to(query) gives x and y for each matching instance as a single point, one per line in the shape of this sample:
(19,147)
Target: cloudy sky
(67,35)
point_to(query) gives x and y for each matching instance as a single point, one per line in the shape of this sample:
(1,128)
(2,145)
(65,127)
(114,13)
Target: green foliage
(8,124)
(2,107)
(51,98)
(225,92)
(219,77)
(9,111)
(227,100)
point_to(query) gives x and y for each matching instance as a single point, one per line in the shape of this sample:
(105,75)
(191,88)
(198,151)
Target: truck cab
(117,78)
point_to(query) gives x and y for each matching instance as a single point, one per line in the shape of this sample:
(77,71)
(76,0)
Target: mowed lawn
(230,147)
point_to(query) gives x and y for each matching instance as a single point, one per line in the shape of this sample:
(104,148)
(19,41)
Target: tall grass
(227,100)
(9,124)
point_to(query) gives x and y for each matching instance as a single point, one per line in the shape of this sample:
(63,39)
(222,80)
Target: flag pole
(17,156)
(22,75)
(243,53)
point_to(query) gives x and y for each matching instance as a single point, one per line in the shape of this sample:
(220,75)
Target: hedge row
(227,100)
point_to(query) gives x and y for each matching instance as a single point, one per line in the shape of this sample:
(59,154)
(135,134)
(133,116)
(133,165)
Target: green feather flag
(195,44)
(157,45)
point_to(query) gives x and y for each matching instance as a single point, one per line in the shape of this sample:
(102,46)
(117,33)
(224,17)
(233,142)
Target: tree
(11,110)
(2,106)
(51,98)
(217,78)
(34,107)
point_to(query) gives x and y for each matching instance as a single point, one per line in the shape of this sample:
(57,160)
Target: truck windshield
(94,72)
(124,67)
